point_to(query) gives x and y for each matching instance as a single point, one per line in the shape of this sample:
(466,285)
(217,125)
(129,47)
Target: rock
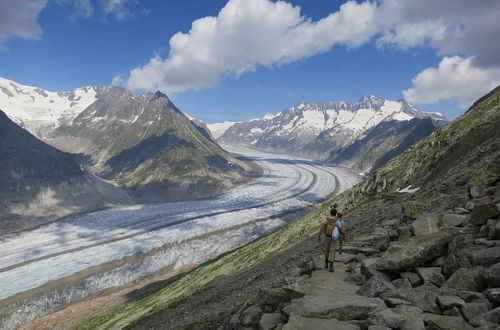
(393,234)
(455,220)
(437,279)
(494,295)
(472,297)
(469,205)
(452,312)
(402,317)
(459,241)
(360,257)
(443,322)
(482,212)
(492,275)
(447,302)
(269,300)
(494,233)
(378,327)
(450,265)
(298,322)
(487,257)
(426,223)
(425,273)
(405,232)
(374,287)
(390,223)
(472,310)
(351,249)
(463,230)
(485,242)
(414,279)
(337,304)
(413,251)
(477,192)
(251,316)
(466,279)
(490,319)
(368,269)
(269,321)
(425,300)
(438,262)
(393,302)
(307,266)
(461,210)
(484,231)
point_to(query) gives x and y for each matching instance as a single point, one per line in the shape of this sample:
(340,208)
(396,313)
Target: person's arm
(321,229)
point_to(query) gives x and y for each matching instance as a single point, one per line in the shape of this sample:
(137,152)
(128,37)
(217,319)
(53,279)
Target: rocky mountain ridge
(322,131)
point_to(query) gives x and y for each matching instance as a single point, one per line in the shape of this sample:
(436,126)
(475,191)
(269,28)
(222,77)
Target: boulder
(298,322)
(307,266)
(463,230)
(472,310)
(492,275)
(455,220)
(466,279)
(494,295)
(426,223)
(461,210)
(402,317)
(458,242)
(469,205)
(405,232)
(393,302)
(477,192)
(482,212)
(390,223)
(472,297)
(270,321)
(443,322)
(368,269)
(450,265)
(425,300)
(269,300)
(494,232)
(426,273)
(375,286)
(414,279)
(485,242)
(487,257)
(438,262)
(414,251)
(484,231)
(447,302)
(488,320)
(452,312)
(251,316)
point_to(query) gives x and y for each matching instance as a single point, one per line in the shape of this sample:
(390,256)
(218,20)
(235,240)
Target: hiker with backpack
(332,235)
(342,228)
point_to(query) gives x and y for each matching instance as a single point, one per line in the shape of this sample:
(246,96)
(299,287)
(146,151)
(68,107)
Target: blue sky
(76,46)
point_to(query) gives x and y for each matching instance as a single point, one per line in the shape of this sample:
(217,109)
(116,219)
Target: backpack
(336,234)
(329,229)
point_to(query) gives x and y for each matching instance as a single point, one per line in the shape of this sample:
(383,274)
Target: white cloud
(120,9)
(19,19)
(249,33)
(246,34)
(454,78)
(117,80)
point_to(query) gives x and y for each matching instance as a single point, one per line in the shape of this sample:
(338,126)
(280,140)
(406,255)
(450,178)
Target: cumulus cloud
(119,10)
(249,33)
(454,78)
(20,19)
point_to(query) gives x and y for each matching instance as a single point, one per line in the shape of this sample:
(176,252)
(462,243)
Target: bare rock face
(414,251)
(466,279)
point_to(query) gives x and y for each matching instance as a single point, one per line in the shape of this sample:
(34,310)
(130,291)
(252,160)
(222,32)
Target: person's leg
(328,241)
(331,255)
(340,243)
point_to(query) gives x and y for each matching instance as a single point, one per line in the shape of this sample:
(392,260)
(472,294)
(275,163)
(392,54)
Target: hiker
(333,207)
(342,228)
(331,232)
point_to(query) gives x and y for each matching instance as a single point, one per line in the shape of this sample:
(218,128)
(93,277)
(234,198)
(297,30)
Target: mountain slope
(145,144)
(39,181)
(447,164)
(381,143)
(321,130)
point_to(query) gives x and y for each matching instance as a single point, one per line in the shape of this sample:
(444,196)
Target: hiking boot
(326,264)
(330,269)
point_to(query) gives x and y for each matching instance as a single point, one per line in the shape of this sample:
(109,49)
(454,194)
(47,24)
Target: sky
(240,59)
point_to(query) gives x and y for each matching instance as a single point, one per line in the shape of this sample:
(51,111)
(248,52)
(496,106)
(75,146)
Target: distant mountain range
(143,146)
(360,135)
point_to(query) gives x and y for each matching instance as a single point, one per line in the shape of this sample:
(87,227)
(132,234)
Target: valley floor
(60,263)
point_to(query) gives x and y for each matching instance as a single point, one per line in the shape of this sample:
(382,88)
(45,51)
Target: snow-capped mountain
(218,129)
(34,108)
(317,129)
